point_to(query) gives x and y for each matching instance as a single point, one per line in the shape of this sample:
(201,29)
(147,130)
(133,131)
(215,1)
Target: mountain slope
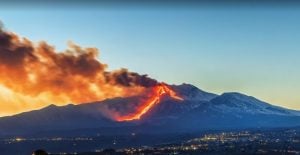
(241,104)
(235,110)
(51,118)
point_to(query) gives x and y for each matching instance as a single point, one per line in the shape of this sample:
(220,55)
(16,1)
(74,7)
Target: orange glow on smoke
(158,92)
(34,75)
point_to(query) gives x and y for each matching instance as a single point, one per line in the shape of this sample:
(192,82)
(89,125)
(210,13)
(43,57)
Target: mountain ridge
(198,111)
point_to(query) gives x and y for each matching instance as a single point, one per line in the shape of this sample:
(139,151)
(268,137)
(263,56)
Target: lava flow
(158,91)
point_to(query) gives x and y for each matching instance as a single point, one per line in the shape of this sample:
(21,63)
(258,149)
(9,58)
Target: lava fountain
(158,92)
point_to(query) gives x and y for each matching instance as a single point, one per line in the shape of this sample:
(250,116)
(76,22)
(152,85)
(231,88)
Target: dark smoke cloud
(75,75)
(1,26)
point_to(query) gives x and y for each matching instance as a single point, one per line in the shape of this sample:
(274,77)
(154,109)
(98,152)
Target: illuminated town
(275,141)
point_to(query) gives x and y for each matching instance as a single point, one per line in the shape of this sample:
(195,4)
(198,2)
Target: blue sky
(219,49)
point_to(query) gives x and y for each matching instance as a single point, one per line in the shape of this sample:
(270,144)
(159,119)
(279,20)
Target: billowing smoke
(74,75)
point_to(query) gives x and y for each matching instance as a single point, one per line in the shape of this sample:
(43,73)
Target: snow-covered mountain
(242,104)
(199,110)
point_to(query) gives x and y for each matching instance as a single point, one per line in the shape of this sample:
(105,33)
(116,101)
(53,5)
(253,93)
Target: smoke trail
(74,75)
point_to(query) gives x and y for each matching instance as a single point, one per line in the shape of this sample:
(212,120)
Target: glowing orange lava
(158,92)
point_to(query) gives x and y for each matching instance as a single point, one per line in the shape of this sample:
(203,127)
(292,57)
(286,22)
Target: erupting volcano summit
(158,92)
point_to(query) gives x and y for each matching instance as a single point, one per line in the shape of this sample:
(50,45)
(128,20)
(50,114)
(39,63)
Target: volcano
(163,108)
(111,101)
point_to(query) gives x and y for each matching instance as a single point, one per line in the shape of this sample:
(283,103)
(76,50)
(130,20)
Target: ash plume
(74,75)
